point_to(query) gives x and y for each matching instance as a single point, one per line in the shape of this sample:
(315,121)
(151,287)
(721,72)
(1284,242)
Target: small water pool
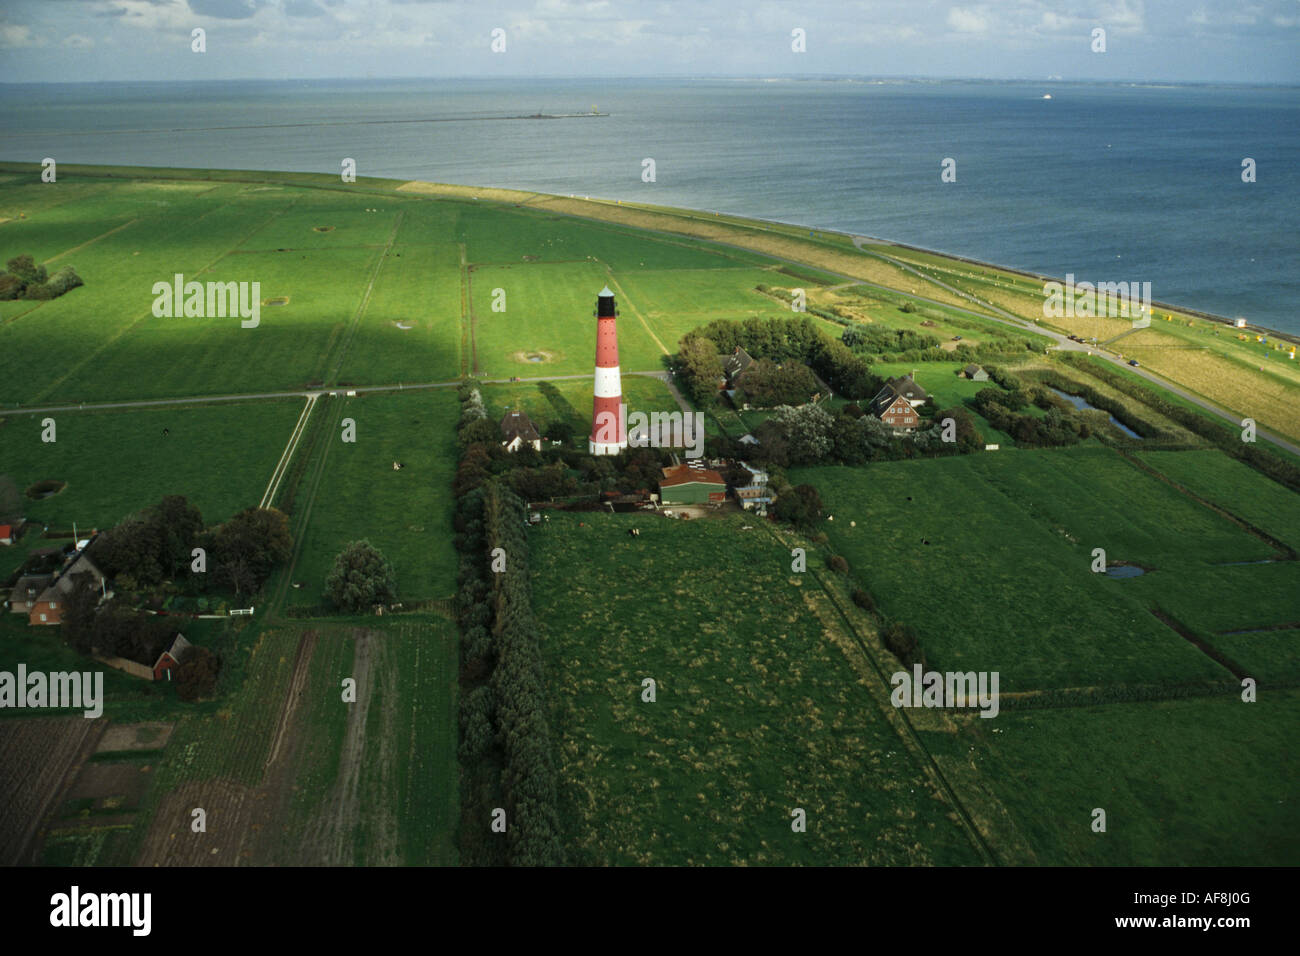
(1078,402)
(1124,571)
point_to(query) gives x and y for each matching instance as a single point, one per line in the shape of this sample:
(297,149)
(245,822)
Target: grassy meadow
(117,461)
(759,708)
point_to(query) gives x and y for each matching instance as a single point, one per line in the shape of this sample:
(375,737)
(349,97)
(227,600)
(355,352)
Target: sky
(1214,41)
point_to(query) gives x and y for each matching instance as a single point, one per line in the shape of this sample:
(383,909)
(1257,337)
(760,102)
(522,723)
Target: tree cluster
(156,545)
(27,280)
(766,383)
(1055,429)
(810,435)
(700,353)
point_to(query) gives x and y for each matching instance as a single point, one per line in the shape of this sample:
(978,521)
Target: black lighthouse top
(605,304)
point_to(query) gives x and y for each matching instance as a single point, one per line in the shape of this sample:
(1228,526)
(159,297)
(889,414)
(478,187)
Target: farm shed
(687,485)
(171,658)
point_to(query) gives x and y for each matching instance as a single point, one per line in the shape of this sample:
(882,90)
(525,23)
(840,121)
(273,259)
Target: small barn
(6,534)
(975,373)
(171,658)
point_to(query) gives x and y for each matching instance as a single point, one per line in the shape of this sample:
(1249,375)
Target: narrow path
(286,456)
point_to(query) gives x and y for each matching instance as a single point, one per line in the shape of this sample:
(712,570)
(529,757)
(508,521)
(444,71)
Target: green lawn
(550,308)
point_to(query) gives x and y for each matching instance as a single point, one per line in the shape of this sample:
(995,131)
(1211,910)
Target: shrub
(837,564)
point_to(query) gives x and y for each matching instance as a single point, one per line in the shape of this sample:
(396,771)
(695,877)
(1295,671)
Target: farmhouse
(975,373)
(517,430)
(48,606)
(896,412)
(171,658)
(735,364)
(24,594)
(689,485)
(904,385)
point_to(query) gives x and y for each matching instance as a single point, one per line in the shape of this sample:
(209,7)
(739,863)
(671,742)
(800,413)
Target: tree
(249,546)
(701,368)
(801,506)
(808,431)
(196,676)
(26,271)
(559,431)
(179,525)
(361,578)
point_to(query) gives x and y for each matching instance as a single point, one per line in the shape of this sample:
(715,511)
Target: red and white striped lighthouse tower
(608,429)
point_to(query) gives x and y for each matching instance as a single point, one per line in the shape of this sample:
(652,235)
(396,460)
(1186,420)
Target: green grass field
(1204,782)
(116,462)
(758,708)
(406,514)
(982,552)
(767,694)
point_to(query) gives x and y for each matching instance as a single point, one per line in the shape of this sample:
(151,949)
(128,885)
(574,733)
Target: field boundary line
(627,299)
(286,456)
(91,242)
(276,601)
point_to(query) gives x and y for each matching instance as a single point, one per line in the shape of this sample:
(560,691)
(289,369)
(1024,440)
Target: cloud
(302,8)
(226,9)
(968,20)
(17,35)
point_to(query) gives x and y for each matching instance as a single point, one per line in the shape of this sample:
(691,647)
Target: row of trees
(157,545)
(504,704)
(24,279)
(1056,428)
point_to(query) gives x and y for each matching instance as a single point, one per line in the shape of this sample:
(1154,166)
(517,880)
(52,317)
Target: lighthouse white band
(608,383)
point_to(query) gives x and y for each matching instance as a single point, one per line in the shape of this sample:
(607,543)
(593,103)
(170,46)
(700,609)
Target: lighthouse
(608,429)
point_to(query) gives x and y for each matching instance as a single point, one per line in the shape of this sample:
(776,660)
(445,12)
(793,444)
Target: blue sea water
(1108,182)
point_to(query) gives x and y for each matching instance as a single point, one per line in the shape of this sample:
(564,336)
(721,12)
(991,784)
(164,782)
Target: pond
(1123,571)
(1078,402)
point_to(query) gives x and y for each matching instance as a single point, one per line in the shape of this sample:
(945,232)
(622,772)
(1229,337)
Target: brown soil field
(38,760)
(260,825)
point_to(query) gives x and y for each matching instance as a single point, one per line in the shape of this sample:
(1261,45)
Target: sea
(1105,182)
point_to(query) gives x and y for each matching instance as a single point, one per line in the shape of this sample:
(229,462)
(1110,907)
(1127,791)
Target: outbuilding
(687,485)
